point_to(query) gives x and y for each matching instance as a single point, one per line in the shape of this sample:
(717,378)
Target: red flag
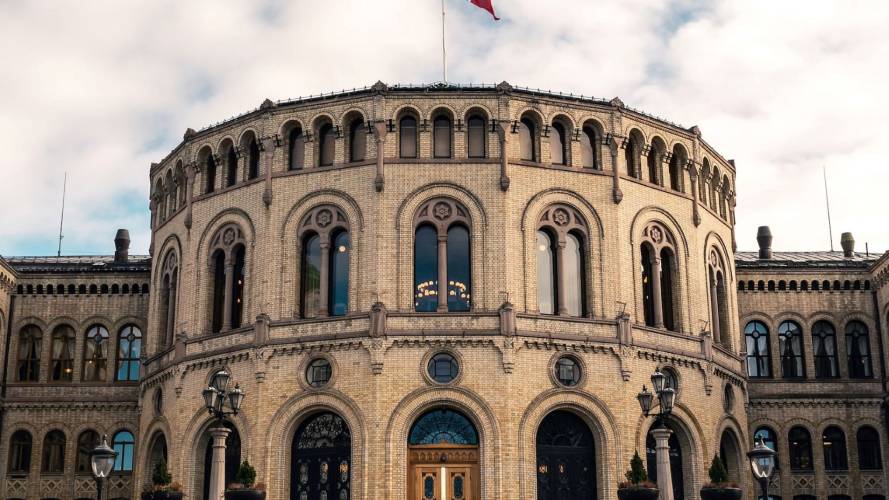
(487,5)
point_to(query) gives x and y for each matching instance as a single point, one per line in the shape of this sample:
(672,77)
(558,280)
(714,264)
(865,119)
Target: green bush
(636,474)
(718,474)
(160,476)
(246,474)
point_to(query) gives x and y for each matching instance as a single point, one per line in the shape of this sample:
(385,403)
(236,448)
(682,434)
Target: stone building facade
(427,291)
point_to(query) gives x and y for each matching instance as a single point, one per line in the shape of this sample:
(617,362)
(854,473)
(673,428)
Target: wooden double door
(448,472)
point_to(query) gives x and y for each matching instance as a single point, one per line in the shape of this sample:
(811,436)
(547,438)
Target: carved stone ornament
(228,237)
(560,217)
(324,218)
(656,235)
(714,259)
(442,211)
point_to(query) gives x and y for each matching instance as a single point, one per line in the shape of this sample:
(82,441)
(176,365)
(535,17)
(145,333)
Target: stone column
(563,278)
(656,296)
(152,207)
(662,452)
(380,133)
(616,194)
(217,468)
(171,313)
(227,293)
(714,310)
(325,279)
(189,192)
(504,156)
(443,272)
(696,211)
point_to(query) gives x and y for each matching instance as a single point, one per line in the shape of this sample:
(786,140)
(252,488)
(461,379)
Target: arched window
(407,137)
(714,184)
(442,257)
(527,131)
(95,354)
(759,355)
(566,458)
(858,350)
(296,149)
(561,272)
(558,142)
(633,153)
(53,458)
(824,348)
(677,161)
(589,148)
(769,438)
(210,174)
(326,145)
(443,426)
(325,251)
(231,166)
(20,445)
(790,346)
(228,269)
(869,454)
(129,349)
(475,136)
(834,445)
(63,341)
(719,313)
(253,159)
(703,181)
(169,287)
(237,288)
(441,136)
(658,275)
(357,140)
(123,444)
(800,443)
(655,158)
(86,442)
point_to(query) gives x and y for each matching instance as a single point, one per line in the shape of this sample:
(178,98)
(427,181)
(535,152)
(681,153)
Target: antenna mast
(444,57)
(827,201)
(62,218)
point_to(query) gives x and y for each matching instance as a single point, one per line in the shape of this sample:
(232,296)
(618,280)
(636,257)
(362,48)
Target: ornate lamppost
(666,397)
(762,464)
(220,402)
(102,460)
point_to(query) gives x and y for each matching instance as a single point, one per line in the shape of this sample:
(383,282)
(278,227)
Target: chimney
(848,243)
(121,246)
(764,238)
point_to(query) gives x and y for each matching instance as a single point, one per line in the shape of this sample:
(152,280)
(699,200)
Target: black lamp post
(666,398)
(762,464)
(102,460)
(217,394)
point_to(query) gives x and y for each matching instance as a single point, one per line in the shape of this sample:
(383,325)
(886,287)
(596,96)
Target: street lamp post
(666,397)
(762,464)
(102,460)
(216,398)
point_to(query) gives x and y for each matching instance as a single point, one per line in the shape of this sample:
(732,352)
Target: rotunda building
(443,292)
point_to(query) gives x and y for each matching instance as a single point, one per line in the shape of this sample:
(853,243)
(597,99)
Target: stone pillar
(662,452)
(217,467)
(656,296)
(616,194)
(563,278)
(504,153)
(227,294)
(325,279)
(443,272)
(380,132)
(152,207)
(189,192)
(714,310)
(171,313)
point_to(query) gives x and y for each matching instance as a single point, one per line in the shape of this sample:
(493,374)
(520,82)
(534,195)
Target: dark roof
(804,260)
(80,264)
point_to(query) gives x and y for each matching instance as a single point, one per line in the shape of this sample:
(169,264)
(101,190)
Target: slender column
(504,157)
(714,310)
(656,292)
(325,279)
(171,313)
(380,133)
(268,151)
(217,467)
(616,194)
(227,305)
(696,211)
(662,451)
(443,272)
(189,192)
(152,206)
(561,273)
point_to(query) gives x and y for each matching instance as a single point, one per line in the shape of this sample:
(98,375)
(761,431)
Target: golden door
(439,474)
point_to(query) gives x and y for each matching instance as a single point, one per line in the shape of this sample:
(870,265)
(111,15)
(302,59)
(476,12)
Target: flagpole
(444,57)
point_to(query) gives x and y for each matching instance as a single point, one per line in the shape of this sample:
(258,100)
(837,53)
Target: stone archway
(321,459)
(566,458)
(443,452)
(730,453)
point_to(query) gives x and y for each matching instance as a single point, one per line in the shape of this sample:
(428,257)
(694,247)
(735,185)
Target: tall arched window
(800,443)
(231,166)
(869,454)
(129,350)
(759,354)
(296,149)
(228,269)
(123,444)
(20,446)
(769,438)
(653,161)
(407,137)
(657,256)
(169,287)
(561,261)
(86,442)
(704,181)
(677,162)
(441,136)
(326,145)
(210,174)
(527,131)
(475,136)
(719,313)
(442,257)
(253,159)
(858,350)
(558,142)
(834,445)
(53,457)
(357,140)
(30,342)
(633,153)
(589,147)
(790,346)
(324,268)
(824,349)
(63,340)
(95,354)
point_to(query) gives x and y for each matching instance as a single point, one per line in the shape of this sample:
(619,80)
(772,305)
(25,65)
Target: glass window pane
(526,140)
(476,141)
(573,275)
(407,130)
(339,274)
(426,269)
(557,144)
(311,276)
(327,142)
(459,265)
(358,141)
(545,269)
(297,149)
(442,137)
(587,148)
(756,336)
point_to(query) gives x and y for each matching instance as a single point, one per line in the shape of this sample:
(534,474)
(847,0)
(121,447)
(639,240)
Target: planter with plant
(245,486)
(162,486)
(719,487)
(637,486)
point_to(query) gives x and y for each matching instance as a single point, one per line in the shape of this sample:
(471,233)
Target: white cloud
(103,89)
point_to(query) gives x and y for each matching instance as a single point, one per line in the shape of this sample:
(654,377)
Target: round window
(319,372)
(567,371)
(443,368)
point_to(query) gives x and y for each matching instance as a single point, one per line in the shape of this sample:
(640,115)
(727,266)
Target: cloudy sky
(100,89)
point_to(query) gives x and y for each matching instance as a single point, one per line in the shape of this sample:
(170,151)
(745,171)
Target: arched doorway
(157,453)
(444,457)
(730,454)
(566,458)
(676,472)
(321,459)
(232,457)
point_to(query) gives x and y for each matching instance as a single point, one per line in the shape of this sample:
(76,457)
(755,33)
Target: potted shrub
(719,487)
(637,486)
(162,486)
(245,486)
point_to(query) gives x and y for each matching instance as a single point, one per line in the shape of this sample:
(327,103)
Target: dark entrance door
(566,458)
(320,465)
